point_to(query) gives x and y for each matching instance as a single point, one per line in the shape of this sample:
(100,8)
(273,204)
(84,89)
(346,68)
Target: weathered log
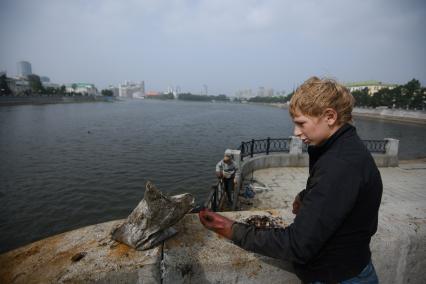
(151,221)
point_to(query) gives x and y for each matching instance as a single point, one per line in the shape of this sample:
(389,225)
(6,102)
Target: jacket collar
(316,151)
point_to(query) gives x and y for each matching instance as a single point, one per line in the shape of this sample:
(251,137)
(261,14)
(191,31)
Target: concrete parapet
(237,156)
(398,248)
(391,154)
(296,146)
(276,160)
(197,255)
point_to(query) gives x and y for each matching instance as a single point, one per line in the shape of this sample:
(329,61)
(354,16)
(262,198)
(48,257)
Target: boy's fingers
(206,218)
(203,220)
(296,207)
(202,215)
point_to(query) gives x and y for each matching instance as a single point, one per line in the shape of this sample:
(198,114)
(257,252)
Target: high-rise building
(261,92)
(24,68)
(131,90)
(270,92)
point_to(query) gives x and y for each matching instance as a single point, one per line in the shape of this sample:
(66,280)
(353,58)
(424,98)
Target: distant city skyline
(215,46)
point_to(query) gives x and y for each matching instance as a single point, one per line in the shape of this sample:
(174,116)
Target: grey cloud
(225,44)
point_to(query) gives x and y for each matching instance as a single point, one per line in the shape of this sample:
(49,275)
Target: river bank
(410,116)
(397,115)
(42,100)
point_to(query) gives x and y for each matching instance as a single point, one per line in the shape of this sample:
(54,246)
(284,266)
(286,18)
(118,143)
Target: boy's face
(312,130)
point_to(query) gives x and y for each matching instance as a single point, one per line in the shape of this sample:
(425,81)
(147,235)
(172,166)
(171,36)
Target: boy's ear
(330,116)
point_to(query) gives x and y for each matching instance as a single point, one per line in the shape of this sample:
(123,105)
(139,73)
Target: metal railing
(266,146)
(376,146)
(269,145)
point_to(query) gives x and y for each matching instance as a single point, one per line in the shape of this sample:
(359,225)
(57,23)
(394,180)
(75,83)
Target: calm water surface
(70,165)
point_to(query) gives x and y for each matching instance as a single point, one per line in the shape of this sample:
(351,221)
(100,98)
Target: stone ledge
(197,255)
(49,260)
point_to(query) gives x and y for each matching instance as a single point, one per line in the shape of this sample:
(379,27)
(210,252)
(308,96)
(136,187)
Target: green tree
(278,99)
(411,95)
(35,84)
(63,90)
(167,96)
(419,99)
(107,93)
(221,97)
(4,87)
(192,97)
(412,86)
(361,97)
(399,100)
(51,91)
(409,92)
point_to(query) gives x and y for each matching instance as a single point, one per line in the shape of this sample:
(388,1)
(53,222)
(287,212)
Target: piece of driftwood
(151,221)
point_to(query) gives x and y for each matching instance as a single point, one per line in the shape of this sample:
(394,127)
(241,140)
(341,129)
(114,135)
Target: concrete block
(296,145)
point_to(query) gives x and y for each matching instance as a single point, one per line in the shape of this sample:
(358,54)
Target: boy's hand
(216,223)
(297,204)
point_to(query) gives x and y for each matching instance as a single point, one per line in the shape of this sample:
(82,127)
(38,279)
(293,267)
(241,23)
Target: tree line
(271,100)
(190,97)
(408,96)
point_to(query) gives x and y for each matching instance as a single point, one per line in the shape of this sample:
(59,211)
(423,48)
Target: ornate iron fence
(266,146)
(376,146)
(269,145)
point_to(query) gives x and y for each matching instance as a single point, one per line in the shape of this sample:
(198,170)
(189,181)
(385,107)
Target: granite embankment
(392,114)
(43,99)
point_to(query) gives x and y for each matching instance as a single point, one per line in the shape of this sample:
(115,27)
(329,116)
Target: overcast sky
(227,45)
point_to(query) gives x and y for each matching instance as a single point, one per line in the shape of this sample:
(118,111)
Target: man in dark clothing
(337,213)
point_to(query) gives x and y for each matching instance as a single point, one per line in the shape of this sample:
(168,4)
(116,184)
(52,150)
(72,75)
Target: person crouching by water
(227,171)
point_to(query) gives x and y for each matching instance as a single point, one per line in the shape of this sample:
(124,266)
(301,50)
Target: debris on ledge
(150,223)
(265,221)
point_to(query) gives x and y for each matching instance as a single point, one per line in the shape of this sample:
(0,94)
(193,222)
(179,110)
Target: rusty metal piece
(151,221)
